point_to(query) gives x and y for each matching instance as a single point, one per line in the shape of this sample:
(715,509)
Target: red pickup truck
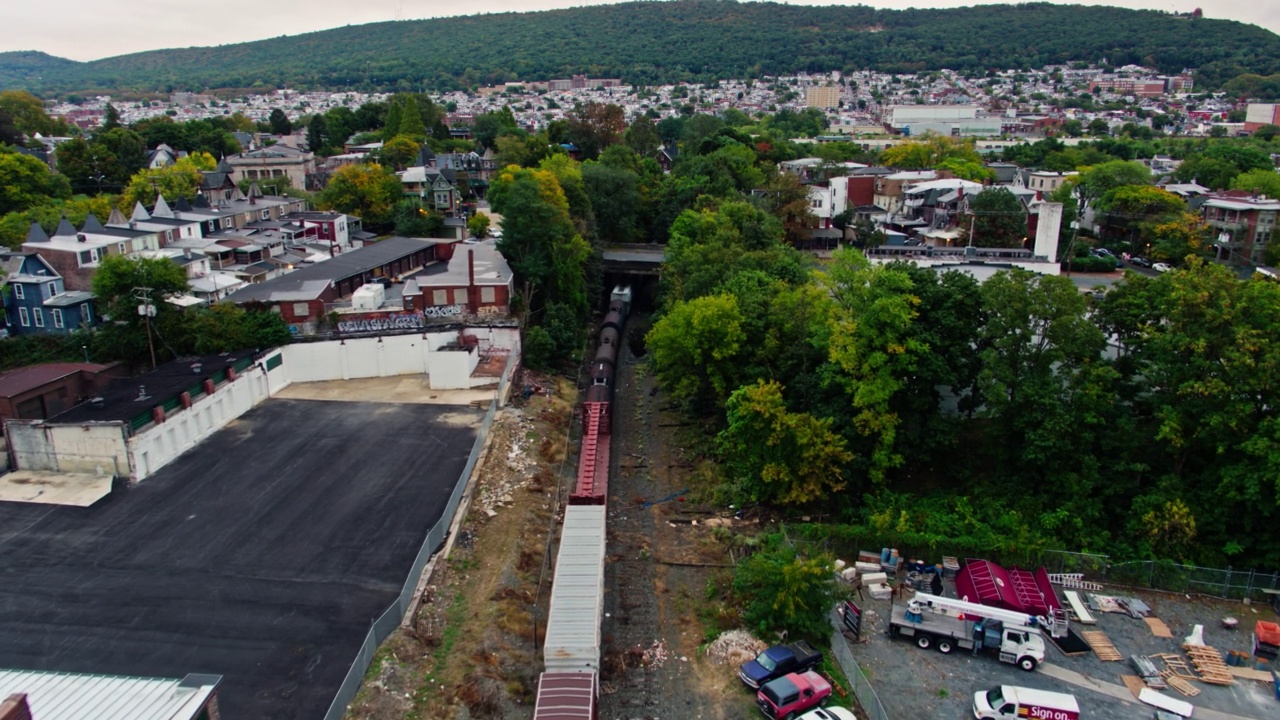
(788,696)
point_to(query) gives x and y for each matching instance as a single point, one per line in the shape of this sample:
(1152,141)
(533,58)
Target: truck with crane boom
(947,624)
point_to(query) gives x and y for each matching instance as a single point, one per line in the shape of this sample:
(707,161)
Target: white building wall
(95,448)
(397,355)
(160,444)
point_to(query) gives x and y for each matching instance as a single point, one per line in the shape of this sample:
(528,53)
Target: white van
(1008,701)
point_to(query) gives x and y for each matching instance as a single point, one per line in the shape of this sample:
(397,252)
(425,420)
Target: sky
(93,29)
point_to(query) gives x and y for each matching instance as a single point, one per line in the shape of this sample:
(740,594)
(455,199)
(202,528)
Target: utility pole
(147,310)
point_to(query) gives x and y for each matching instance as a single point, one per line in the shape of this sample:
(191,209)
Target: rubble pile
(734,647)
(513,432)
(656,655)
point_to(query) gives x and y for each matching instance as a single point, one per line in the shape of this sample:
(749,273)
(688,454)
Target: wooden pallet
(1209,664)
(1102,646)
(1073,580)
(1175,664)
(1176,682)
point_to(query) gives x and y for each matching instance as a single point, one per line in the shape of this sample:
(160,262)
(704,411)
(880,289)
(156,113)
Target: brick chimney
(15,707)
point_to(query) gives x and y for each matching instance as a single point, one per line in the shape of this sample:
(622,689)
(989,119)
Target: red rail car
(592,487)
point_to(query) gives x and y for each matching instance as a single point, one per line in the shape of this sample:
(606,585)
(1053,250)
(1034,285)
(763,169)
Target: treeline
(649,43)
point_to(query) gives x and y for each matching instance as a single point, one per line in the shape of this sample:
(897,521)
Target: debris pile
(734,648)
(656,655)
(514,436)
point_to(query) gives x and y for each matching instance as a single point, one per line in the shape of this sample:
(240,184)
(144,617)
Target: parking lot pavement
(261,555)
(924,683)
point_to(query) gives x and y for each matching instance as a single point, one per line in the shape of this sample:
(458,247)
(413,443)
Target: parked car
(788,696)
(1103,251)
(1140,262)
(778,661)
(496,233)
(1162,267)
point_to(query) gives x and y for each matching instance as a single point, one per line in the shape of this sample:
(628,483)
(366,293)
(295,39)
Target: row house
(75,254)
(35,298)
(1244,222)
(276,161)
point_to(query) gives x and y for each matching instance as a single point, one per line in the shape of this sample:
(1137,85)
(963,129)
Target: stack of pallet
(1209,664)
(1176,674)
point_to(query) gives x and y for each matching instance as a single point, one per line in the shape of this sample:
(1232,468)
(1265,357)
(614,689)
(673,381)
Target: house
(1042,181)
(1244,222)
(36,300)
(889,189)
(37,392)
(434,187)
(218,184)
(75,254)
(273,162)
(162,157)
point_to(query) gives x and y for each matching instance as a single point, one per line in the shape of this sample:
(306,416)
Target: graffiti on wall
(442,311)
(379,323)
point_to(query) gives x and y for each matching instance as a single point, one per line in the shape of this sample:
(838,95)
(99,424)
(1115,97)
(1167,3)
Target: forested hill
(656,42)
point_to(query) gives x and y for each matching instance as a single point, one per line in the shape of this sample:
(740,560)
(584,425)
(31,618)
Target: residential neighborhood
(566,395)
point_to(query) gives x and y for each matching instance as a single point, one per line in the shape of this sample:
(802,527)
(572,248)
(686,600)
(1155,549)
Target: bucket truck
(1013,637)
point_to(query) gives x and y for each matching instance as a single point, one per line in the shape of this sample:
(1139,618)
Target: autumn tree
(399,152)
(930,151)
(595,126)
(179,180)
(368,191)
(539,239)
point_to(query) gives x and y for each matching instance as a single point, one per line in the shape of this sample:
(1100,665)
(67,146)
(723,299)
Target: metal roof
(577,595)
(308,282)
(67,696)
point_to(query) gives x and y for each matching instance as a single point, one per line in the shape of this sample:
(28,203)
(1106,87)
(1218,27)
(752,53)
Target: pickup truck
(786,697)
(778,661)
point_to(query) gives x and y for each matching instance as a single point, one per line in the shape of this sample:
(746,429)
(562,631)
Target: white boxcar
(577,594)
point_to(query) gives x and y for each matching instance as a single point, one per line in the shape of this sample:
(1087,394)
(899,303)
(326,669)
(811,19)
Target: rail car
(569,687)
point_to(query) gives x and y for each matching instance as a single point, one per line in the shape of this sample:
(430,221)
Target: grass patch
(426,693)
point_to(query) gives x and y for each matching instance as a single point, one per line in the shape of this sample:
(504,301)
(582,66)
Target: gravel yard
(923,683)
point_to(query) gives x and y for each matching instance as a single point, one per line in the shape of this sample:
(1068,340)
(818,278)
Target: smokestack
(471,267)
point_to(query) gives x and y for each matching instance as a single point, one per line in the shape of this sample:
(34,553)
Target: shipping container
(577,594)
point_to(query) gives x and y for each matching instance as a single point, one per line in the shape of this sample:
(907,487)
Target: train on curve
(568,689)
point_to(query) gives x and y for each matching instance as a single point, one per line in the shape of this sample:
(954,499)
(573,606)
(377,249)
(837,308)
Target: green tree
(930,151)
(614,196)
(280,123)
(411,124)
(595,126)
(28,114)
(111,118)
(130,336)
(488,127)
(391,126)
(1263,182)
(317,134)
(695,350)
(414,220)
(478,225)
(780,590)
(179,180)
(399,152)
(368,191)
(777,456)
(642,137)
(1098,127)
(25,182)
(999,219)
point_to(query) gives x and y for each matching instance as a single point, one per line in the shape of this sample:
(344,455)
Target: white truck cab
(1008,701)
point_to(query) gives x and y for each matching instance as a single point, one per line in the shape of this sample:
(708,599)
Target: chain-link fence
(1165,575)
(858,683)
(389,621)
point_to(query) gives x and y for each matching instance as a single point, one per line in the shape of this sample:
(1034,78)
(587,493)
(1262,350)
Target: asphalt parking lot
(262,555)
(911,682)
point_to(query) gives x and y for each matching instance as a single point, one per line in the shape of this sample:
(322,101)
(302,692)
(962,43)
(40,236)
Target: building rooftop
(490,267)
(68,696)
(29,378)
(131,397)
(308,282)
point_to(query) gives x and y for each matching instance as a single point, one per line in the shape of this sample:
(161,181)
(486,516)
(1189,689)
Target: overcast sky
(92,29)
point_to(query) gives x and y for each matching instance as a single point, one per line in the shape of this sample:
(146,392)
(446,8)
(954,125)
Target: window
(23,318)
(460,296)
(301,310)
(86,312)
(488,295)
(18,293)
(120,247)
(48,291)
(265,215)
(439,297)
(39,316)
(57,318)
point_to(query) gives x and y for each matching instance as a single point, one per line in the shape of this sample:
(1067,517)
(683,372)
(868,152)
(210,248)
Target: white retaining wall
(397,355)
(95,448)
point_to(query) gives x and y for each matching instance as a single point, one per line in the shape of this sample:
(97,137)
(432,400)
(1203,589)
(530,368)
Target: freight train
(569,687)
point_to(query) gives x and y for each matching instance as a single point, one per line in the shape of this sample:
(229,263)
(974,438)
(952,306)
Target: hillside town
(350,374)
